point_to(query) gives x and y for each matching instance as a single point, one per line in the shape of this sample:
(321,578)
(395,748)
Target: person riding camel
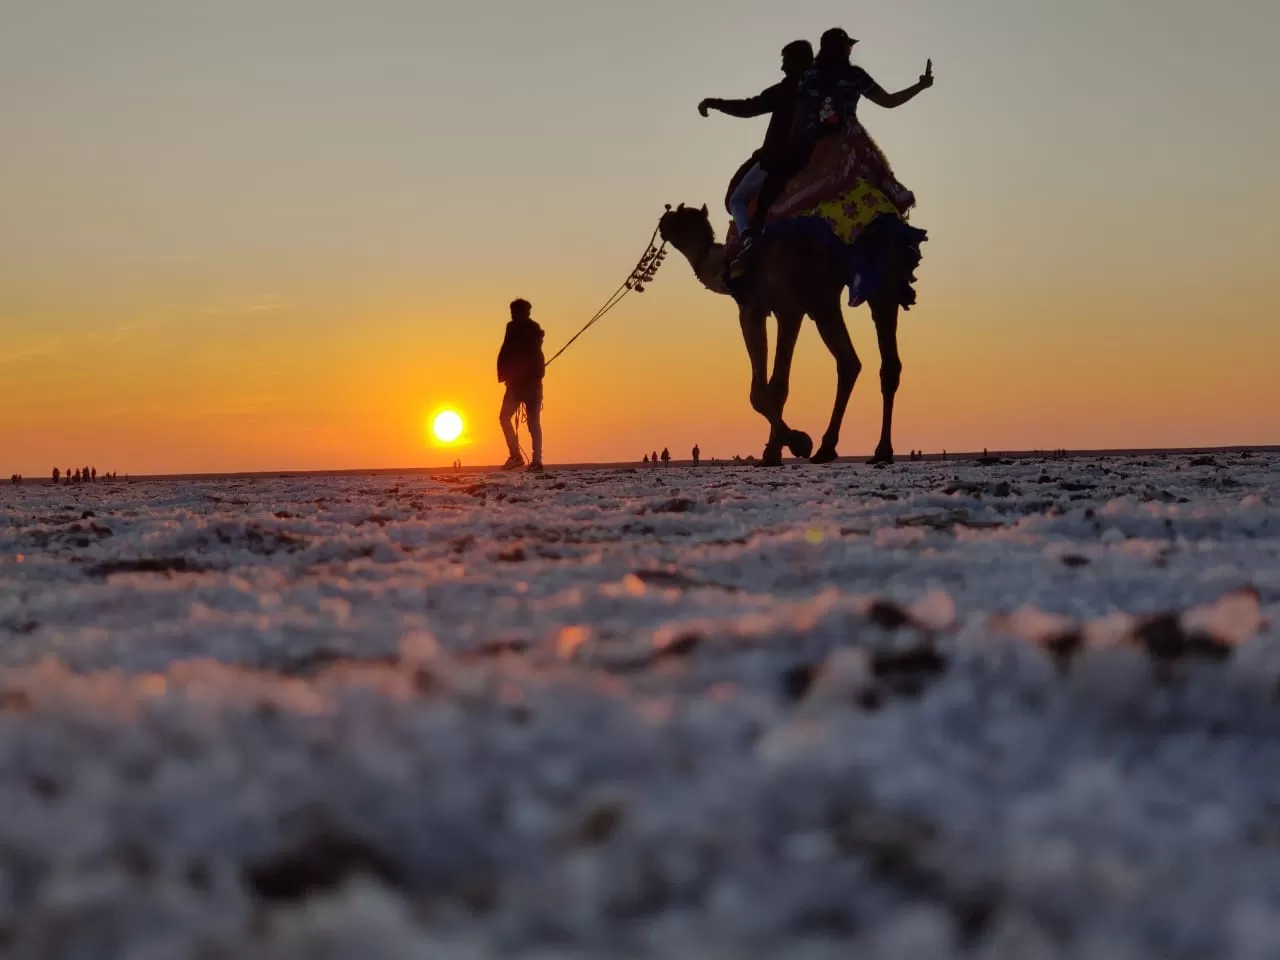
(832,86)
(780,101)
(830,91)
(521,367)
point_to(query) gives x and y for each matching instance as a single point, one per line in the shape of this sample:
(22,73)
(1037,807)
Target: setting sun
(447,426)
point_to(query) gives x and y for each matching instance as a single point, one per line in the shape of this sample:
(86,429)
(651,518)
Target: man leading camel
(521,367)
(781,102)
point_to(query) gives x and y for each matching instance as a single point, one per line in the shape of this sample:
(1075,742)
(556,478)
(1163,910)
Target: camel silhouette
(797,274)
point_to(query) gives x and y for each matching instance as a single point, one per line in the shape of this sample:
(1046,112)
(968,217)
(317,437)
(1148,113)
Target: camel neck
(707,261)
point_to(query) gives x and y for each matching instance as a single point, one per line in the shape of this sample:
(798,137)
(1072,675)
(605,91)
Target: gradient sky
(279,234)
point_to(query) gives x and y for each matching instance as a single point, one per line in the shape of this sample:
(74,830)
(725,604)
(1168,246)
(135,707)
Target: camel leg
(755,335)
(830,323)
(885,314)
(799,442)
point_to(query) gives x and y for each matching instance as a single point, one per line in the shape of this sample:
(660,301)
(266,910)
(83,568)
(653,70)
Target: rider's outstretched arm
(877,95)
(757,106)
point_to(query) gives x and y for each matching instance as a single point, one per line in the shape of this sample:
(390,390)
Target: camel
(797,274)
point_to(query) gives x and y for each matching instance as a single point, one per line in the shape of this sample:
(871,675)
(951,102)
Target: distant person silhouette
(666,457)
(57,475)
(646,458)
(697,455)
(653,458)
(521,367)
(94,474)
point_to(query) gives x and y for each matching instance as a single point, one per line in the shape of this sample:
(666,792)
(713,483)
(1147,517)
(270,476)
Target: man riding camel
(781,102)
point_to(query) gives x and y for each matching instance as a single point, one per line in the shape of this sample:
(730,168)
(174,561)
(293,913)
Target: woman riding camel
(830,91)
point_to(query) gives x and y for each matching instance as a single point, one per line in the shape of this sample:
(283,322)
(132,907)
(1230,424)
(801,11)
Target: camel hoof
(800,444)
(825,454)
(881,460)
(770,458)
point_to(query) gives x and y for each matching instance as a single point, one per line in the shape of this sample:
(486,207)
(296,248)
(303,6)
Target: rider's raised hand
(926,78)
(704,106)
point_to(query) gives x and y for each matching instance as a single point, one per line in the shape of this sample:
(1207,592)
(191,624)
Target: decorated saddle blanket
(848,183)
(846,196)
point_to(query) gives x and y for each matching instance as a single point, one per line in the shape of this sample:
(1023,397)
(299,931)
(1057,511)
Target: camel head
(687,228)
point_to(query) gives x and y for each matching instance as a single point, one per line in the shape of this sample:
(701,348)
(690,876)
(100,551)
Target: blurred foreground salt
(1013,711)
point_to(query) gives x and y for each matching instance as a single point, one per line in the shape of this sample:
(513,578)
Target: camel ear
(705,213)
(681,207)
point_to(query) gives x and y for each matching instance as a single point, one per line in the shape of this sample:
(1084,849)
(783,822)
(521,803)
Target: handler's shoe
(513,463)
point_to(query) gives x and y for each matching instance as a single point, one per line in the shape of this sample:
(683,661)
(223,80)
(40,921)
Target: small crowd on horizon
(82,475)
(652,459)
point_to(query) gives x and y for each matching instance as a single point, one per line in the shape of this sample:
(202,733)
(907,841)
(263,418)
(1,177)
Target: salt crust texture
(1009,710)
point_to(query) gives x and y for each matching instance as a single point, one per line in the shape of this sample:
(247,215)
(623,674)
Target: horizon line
(948,456)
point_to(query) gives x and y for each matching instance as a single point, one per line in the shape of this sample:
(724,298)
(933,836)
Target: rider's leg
(776,180)
(747,188)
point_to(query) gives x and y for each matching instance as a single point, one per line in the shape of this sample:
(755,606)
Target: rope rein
(645,270)
(642,273)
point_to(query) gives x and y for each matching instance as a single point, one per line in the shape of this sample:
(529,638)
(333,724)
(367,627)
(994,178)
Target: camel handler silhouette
(521,367)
